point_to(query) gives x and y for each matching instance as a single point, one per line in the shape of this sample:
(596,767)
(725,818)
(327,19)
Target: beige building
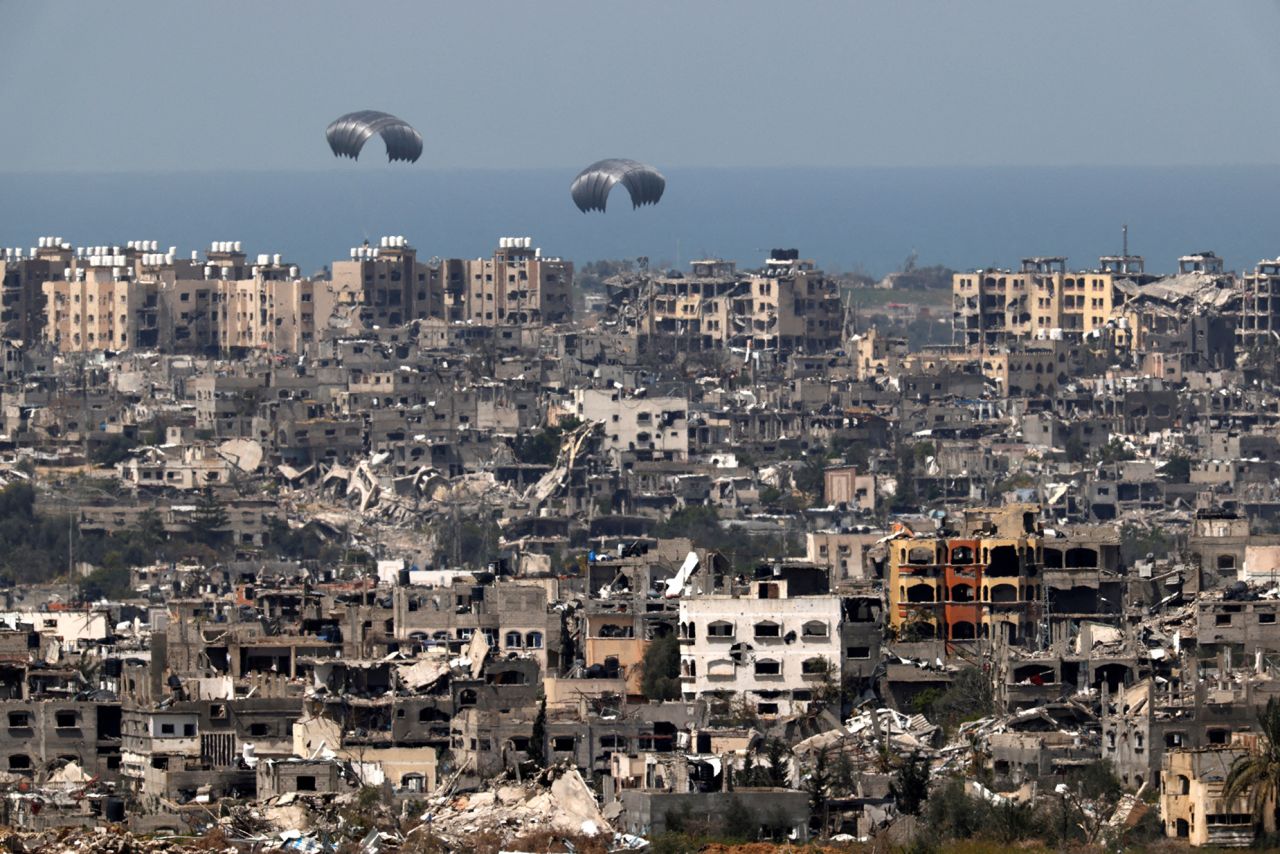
(98,307)
(787,306)
(516,286)
(843,554)
(381,285)
(1042,300)
(125,298)
(23,274)
(1191,802)
(654,428)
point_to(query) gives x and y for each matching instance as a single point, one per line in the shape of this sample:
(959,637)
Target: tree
(106,583)
(538,738)
(538,448)
(910,787)
(1087,800)
(1177,469)
(778,769)
(111,450)
(810,478)
(818,785)
(1115,451)
(208,519)
(751,773)
(150,531)
(660,668)
(1257,773)
(845,774)
(905,494)
(968,697)
(1139,540)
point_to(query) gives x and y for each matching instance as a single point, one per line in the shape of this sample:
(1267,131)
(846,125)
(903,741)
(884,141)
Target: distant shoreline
(866,219)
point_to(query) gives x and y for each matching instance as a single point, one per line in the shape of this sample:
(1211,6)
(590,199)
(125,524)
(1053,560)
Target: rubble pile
(557,800)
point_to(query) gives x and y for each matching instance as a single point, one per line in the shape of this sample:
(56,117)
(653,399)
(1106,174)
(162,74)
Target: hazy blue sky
(250,84)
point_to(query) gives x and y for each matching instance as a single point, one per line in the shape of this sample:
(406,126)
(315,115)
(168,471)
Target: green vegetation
(591,277)
(1075,451)
(541,448)
(1257,774)
(467,542)
(1074,816)
(810,478)
(967,698)
(818,782)
(112,450)
(1177,469)
(208,520)
(33,547)
(911,458)
(1115,451)
(701,524)
(538,738)
(660,669)
(910,786)
(1019,480)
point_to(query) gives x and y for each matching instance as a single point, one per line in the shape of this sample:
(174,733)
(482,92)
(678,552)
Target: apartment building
(1260,306)
(518,285)
(1192,784)
(23,274)
(980,584)
(124,298)
(381,285)
(99,306)
(770,642)
(1042,300)
(787,306)
(650,428)
(790,306)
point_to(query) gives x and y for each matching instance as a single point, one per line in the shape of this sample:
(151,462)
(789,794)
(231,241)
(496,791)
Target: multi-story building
(22,280)
(379,286)
(771,642)
(1260,307)
(1042,300)
(131,298)
(788,306)
(99,306)
(1192,802)
(981,584)
(516,286)
(649,427)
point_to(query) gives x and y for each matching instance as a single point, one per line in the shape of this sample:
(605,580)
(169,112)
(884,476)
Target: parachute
(348,134)
(590,190)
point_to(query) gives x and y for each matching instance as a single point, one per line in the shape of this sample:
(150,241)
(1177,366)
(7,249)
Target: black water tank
(113,810)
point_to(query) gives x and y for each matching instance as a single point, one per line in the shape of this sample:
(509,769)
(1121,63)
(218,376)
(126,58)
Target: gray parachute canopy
(590,190)
(348,134)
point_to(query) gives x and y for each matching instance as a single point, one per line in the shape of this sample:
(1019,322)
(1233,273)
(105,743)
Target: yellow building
(1042,300)
(1191,802)
(981,585)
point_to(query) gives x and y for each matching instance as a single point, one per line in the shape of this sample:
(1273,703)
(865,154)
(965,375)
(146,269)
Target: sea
(867,220)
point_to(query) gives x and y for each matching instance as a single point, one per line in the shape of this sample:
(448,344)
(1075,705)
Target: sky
(174,85)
